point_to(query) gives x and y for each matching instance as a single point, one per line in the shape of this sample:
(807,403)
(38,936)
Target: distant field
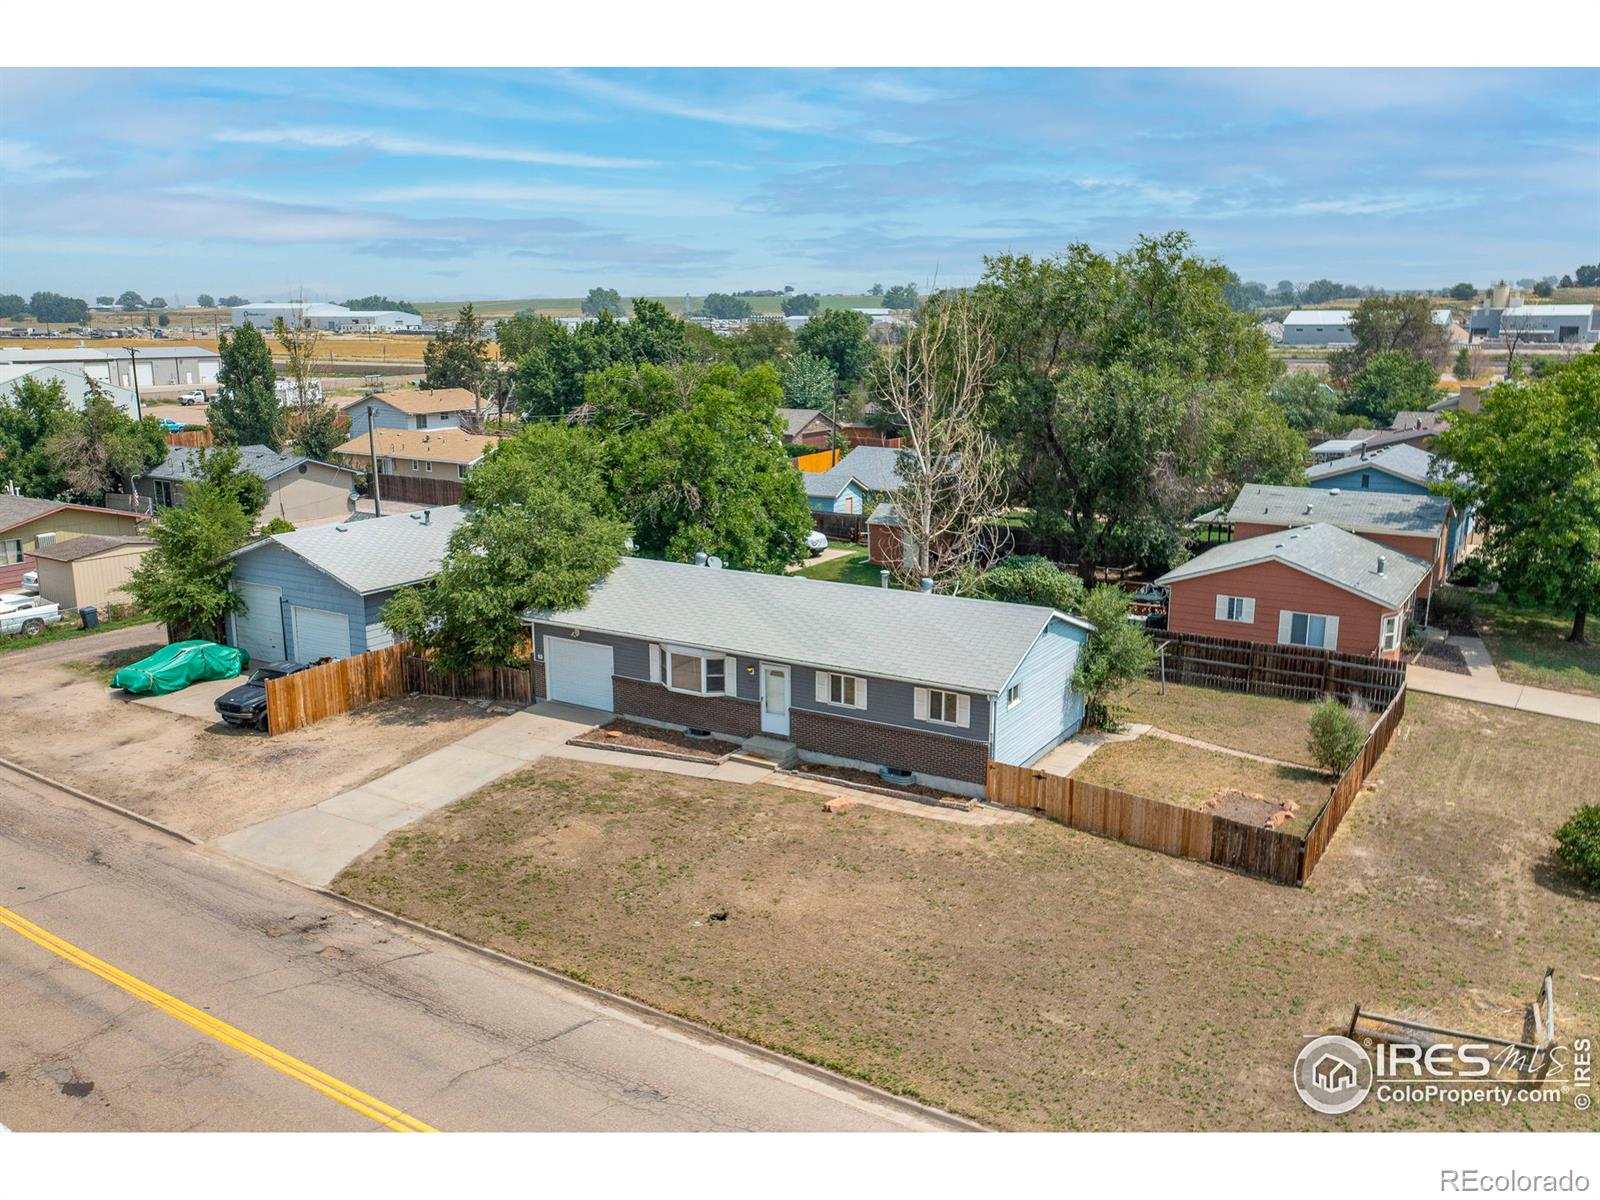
(572,306)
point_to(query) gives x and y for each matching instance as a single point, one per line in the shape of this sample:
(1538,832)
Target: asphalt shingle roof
(1358,511)
(90,543)
(1402,461)
(942,641)
(873,467)
(18,510)
(376,555)
(183,462)
(796,419)
(1325,551)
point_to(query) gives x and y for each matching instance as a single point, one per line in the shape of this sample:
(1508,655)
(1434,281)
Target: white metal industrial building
(1318,327)
(154,366)
(335,318)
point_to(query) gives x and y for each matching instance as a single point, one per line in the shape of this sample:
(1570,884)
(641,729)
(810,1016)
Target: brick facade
(907,749)
(539,692)
(722,714)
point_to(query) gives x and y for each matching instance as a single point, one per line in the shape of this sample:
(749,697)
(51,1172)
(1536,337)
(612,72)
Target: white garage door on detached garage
(578,673)
(258,627)
(319,633)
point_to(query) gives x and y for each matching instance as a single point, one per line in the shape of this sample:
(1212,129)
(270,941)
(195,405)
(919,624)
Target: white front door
(774,699)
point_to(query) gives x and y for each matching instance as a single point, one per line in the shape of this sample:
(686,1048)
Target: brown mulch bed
(855,777)
(630,735)
(1442,656)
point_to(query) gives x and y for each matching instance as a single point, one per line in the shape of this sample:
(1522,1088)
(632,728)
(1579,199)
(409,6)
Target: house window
(1391,632)
(1366,479)
(11,551)
(1307,629)
(1236,608)
(691,671)
(429,468)
(413,464)
(844,691)
(422,421)
(1014,695)
(944,707)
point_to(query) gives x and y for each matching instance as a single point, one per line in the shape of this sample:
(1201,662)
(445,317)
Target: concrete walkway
(1484,690)
(1479,663)
(1071,754)
(1212,746)
(314,844)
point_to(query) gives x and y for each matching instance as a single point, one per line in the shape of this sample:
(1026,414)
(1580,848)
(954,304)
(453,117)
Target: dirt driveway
(58,718)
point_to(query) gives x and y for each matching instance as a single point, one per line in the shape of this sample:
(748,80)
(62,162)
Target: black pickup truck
(247,704)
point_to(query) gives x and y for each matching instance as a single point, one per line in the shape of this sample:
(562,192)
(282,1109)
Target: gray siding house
(853,676)
(316,593)
(413,408)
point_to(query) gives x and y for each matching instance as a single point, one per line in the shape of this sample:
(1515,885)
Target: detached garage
(318,593)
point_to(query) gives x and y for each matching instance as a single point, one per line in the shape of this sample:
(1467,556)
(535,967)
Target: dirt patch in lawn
(1188,775)
(1031,975)
(1250,808)
(631,735)
(203,777)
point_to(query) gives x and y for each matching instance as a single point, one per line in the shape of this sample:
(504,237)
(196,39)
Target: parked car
(30,581)
(195,397)
(168,425)
(246,704)
(27,615)
(816,541)
(173,668)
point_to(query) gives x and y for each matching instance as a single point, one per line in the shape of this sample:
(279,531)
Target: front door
(774,699)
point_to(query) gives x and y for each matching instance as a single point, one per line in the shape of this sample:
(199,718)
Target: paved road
(433,1032)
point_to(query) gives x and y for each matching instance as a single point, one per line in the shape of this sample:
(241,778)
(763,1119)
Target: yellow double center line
(368,1106)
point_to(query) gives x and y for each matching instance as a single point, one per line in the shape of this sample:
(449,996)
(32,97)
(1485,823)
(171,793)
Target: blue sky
(426,184)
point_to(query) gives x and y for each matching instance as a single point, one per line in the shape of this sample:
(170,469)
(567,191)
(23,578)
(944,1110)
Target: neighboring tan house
(317,593)
(412,408)
(1417,526)
(300,490)
(807,426)
(26,524)
(89,570)
(1403,469)
(826,672)
(419,453)
(1314,585)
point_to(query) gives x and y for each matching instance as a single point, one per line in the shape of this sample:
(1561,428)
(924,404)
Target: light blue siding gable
(384,416)
(1368,478)
(304,585)
(1047,710)
(851,499)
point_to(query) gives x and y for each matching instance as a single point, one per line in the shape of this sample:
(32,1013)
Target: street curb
(106,804)
(656,1016)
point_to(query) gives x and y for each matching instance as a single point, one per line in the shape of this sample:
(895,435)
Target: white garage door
(578,673)
(319,633)
(258,629)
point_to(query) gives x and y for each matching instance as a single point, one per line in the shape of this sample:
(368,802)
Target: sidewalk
(314,844)
(1485,690)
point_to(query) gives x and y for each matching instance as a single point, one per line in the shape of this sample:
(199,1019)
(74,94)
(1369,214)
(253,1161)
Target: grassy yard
(66,632)
(1529,646)
(1163,770)
(1034,976)
(1255,724)
(853,567)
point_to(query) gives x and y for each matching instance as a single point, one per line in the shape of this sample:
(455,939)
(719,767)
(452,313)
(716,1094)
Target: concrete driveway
(198,700)
(314,844)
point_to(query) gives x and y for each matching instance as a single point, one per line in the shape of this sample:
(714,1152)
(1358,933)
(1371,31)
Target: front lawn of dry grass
(1034,976)
(1263,725)
(1162,770)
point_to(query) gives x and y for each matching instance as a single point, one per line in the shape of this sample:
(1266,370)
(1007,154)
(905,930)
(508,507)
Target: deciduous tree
(603,299)
(801,304)
(102,449)
(245,411)
(1389,383)
(808,382)
(1391,324)
(31,411)
(1117,654)
(839,337)
(183,580)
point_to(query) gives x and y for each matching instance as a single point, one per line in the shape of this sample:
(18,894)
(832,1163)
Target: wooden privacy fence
(814,464)
(189,437)
(842,527)
(419,489)
(1292,672)
(1185,832)
(511,684)
(306,697)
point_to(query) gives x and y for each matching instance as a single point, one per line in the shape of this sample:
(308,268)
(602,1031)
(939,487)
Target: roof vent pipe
(427,516)
(1380,564)
(699,558)
(1333,491)
(925,584)
(883,577)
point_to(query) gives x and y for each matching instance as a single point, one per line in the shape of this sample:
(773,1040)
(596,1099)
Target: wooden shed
(91,569)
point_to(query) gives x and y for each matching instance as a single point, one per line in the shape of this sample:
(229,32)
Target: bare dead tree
(952,472)
(312,427)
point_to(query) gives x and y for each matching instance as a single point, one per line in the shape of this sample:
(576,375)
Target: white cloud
(781,114)
(315,138)
(25,162)
(647,201)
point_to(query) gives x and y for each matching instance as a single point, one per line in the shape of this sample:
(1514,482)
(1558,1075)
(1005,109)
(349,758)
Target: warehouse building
(334,318)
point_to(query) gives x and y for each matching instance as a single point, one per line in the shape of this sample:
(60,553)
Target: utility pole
(133,361)
(372,449)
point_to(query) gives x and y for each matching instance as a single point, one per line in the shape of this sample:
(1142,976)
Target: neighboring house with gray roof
(1416,525)
(1402,469)
(808,426)
(301,490)
(1313,585)
(857,482)
(853,676)
(318,592)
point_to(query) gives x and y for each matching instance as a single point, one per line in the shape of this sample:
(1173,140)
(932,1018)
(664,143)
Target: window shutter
(963,711)
(861,692)
(1330,634)
(920,704)
(822,686)
(1285,619)
(1249,611)
(655,662)
(1222,608)
(730,675)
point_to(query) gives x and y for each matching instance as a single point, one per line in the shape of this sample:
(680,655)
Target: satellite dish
(714,562)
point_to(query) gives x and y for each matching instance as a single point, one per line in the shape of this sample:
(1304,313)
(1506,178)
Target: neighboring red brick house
(1313,586)
(1416,526)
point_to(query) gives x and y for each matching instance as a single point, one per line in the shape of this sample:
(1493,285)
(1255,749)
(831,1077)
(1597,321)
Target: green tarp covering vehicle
(173,668)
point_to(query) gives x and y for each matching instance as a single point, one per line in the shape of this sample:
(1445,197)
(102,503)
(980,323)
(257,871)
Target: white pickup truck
(26,614)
